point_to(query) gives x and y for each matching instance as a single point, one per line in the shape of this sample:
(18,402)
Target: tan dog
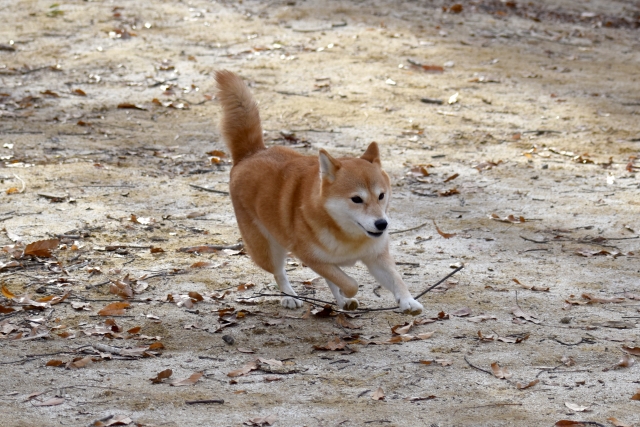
(328,212)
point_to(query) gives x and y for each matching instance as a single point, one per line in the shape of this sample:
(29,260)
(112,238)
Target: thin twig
(24,186)
(192,402)
(211,190)
(476,367)
(408,229)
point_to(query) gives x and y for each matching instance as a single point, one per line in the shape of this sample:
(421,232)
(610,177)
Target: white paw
(411,306)
(350,304)
(291,303)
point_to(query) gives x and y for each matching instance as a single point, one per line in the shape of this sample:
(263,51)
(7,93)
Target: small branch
(478,368)
(408,229)
(193,402)
(211,190)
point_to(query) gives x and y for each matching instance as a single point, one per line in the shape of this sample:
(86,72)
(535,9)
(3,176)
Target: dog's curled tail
(240,125)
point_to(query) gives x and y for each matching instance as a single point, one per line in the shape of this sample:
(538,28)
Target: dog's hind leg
(268,254)
(278,258)
(343,302)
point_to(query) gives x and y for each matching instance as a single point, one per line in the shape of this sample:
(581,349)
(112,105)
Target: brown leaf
(117,420)
(625,362)
(55,363)
(342,320)
(251,366)
(481,318)
(518,312)
(82,362)
(335,344)
(41,248)
(452,177)
(243,287)
(508,219)
(155,250)
(121,289)
(195,296)
(596,300)
(79,92)
(261,421)
(499,372)
(326,311)
(188,381)
(636,396)
(134,330)
(569,423)
(10,264)
(114,309)
(128,105)
(532,287)
(50,402)
(161,376)
(378,394)
(7,293)
(487,165)
(156,346)
(402,329)
(576,408)
(524,386)
(201,264)
(447,193)
(443,234)
(618,423)
(632,350)
(465,311)
(418,399)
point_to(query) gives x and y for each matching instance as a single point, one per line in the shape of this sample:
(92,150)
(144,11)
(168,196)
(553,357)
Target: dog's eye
(381,196)
(356,199)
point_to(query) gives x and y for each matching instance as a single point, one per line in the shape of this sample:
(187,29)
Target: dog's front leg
(383,269)
(339,283)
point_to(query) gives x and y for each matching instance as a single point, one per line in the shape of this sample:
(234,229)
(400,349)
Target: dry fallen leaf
(114,309)
(161,376)
(636,396)
(80,363)
(625,361)
(187,381)
(55,363)
(518,312)
(41,248)
(618,423)
(569,423)
(532,287)
(378,394)
(465,311)
(335,344)
(524,386)
(261,421)
(342,321)
(576,408)
(50,402)
(117,420)
(402,329)
(251,366)
(442,233)
(632,350)
(499,372)
(509,219)
(481,318)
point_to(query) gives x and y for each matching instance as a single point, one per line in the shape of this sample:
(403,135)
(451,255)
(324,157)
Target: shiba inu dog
(328,212)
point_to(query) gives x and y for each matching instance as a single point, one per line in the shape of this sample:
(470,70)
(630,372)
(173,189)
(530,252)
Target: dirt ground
(108,129)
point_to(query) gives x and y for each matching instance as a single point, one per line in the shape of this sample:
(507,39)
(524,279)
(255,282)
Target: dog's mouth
(372,233)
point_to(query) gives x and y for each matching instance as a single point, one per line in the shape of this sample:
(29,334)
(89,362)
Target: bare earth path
(108,129)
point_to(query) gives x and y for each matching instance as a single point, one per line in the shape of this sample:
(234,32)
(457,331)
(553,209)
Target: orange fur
(285,201)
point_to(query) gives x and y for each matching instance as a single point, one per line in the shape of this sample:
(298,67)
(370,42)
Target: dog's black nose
(381,224)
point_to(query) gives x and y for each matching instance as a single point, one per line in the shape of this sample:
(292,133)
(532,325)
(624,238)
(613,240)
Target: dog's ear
(372,155)
(328,166)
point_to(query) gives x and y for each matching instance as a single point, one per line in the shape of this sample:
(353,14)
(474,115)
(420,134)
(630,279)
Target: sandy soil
(545,126)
